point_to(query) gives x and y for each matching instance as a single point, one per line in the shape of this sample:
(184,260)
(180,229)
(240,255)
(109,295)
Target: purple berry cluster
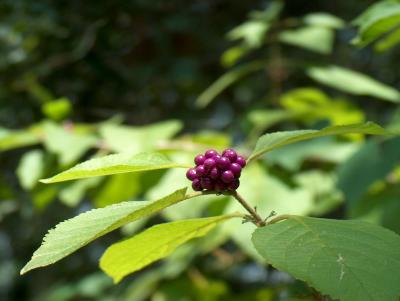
(216,172)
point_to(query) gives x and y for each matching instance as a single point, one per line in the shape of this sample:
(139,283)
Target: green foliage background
(86,79)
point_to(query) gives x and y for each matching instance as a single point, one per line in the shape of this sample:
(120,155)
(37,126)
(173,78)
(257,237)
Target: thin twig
(258,220)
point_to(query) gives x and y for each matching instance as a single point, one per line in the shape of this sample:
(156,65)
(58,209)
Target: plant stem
(258,220)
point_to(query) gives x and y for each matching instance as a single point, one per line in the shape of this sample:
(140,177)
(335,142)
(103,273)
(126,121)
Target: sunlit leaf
(377,20)
(157,242)
(317,39)
(349,260)
(324,20)
(137,139)
(115,164)
(68,145)
(10,139)
(30,168)
(353,82)
(57,109)
(73,234)
(74,193)
(269,142)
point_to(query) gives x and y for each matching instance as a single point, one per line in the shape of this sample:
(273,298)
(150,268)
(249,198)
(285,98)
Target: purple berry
(216,157)
(234,184)
(241,161)
(227,176)
(211,153)
(209,164)
(191,174)
(201,171)
(196,185)
(214,173)
(223,163)
(220,186)
(199,160)
(230,154)
(236,169)
(207,183)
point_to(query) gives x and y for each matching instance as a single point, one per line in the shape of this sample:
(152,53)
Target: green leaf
(74,193)
(137,139)
(388,41)
(10,139)
(57,109)
(317,39)
(30,168)
(349,260)
(226,80)
(115,164)
(353,82)
(311,105)
(371,163)
(153,244)
(73,234)
(325,149)
(324,20)
(377,20)
(267,193)
(119,188)
(269,142)
(67,144)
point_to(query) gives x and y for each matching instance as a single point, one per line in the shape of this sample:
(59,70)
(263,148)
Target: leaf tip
(45,181)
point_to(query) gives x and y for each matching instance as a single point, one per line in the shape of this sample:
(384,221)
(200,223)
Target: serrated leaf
(73,234)
(349,260)
(353,82)
(269,142)
(157,242)
(115,164)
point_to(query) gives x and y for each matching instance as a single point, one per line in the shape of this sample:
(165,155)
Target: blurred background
(83,79)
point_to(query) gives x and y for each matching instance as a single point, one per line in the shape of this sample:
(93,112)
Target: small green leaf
(57,109)
(269,142)
(377,20)
(137,139)
(353,82)
(154,243)
(68,145)
(323,19)
(349,260)
(227,80)
(115,164)
(314,38)
(10,139)
(30,168)
(73,234)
